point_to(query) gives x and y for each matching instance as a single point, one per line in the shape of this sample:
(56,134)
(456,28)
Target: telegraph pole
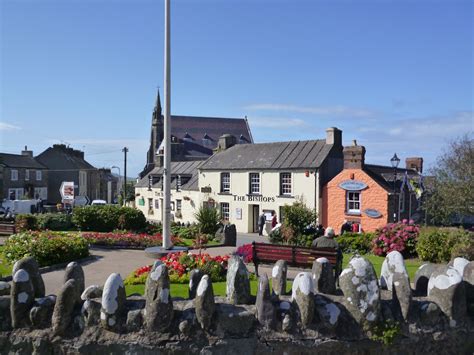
(125,151)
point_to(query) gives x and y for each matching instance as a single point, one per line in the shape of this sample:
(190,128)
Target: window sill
(353,214)
(224,193)
(254,194)
(286,196)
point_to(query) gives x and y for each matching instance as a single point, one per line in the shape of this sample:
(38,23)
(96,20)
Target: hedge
(440,245)
(108,218)
(360,243)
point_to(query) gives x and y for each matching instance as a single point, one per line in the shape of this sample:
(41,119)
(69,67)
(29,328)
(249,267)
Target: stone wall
(436,316)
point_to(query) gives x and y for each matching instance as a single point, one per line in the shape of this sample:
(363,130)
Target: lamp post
(119,177)
(395,161)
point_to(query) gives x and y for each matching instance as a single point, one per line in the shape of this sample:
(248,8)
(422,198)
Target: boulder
(279,272)
(204,302)
(234,320)
(468,278)
(22,298)
(42,312)
(91,312)
(459,264)
(134,320)
(323,276)
(238,283)
(113,313)
(401,294)
(31,266)
(359,284)
(64,307)
(158,304)
(74,271)
(422,277)
(266,311)
(302,294)
(93,291)
(446,289)
(5,314)
(4,288)
(393,263)
(194,279)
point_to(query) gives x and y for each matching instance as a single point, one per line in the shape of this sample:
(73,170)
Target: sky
(397,76)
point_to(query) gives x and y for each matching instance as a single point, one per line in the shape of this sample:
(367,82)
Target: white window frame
(225,211)
(14,175)
(19,193)
(179,205)
(27,174)
(286,186)
(352,200)
(39,175)
(225,185)
(254,183)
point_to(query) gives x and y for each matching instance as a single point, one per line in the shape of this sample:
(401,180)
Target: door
(255,214)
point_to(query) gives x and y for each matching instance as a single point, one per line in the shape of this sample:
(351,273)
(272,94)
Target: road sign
(67,191)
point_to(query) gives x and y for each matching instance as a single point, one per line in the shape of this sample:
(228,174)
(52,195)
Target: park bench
(293,255)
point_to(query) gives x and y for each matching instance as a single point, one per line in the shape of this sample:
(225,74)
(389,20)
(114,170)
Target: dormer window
(206,140)
(187,137)
(243,139)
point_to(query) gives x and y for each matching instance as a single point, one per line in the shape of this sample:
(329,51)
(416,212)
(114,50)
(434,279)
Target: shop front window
(353,202)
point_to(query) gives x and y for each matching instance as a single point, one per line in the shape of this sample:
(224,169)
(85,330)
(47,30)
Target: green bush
(276,237)
(360,243)
(108,218)
(48,248)
(131,219)
(25,222)
(440,245)
(185,232)
(55,222)
(208,219)
(298,216)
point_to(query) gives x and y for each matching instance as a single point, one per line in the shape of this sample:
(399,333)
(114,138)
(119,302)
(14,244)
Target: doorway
(255,214)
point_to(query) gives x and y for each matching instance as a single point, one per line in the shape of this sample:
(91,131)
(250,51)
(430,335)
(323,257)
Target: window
(39,175)
(225,182)
(178,183)
(27,175)
(150,206)
(157,204)
(225,211)
(14,175)
(254,179)
(353,202)
(178,205)
(15,194)
(285,183)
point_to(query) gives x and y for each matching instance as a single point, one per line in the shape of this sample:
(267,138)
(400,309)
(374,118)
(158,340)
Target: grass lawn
(5,267)
(190,242)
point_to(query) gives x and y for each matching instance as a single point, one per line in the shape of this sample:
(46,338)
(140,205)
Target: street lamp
(395,161)
(119,177)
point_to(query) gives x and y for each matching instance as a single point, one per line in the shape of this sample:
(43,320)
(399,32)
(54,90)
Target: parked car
(98,203)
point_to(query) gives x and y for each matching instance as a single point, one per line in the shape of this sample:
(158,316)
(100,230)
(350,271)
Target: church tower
(157,128)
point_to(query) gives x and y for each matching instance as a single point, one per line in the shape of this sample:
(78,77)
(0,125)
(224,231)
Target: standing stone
(238,283)
(401,296)
(194,279)
(328,312)
(93,291)
(158,304)
(42,312)
(74,271)
(4,288)
(459,264)
(422,276)
(204,302)
(358,282)
(468,278)
(279,272)
(393,263)
(446,289)
(134,320)
(22,298)
(230,235)
(323,276)
(31,266)
(266,311)
(302,293)
(64,307)
(5,313)
(113,313)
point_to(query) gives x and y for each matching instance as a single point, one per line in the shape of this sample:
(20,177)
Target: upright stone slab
(446,289)
(393,263)
(401,294)
(194,279)
(279,272)
(468,279)
(323,276)
(204,302)
(64,308)
(238,283)
(266,311)
(5,313)
(91,311)
(459,264)
(5,288)
(113,312)
(31,266)
(74,271)
(302,293)
(158,305)
(42,312)
(93,291)
(22,298)
(358,282)
(328,312)
(422,276)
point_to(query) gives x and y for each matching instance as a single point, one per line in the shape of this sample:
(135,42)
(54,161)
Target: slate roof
(384,175)
(19,161)
(59,157)
(270,156)
(187,169)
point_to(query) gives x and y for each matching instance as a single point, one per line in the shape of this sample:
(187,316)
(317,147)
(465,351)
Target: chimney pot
(334,136)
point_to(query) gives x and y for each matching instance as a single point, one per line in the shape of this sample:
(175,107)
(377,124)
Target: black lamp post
(395,161)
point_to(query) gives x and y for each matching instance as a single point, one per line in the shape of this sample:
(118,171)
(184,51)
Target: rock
(194,278)
(230,235)
(5,314)
(93,291)
(468,279)
(359,284)
(266,312)
(302,293)
(422,277)
(134,320)
(185,327)
(31,266)
(204,302)
(430,314)
(4,288)
(459,264)
(446,289)
(238,284)
(401,294)
(328,312)
(74,271)
(158,304)
(286,323)
(393,263)
(234,320)
(323,276)
(279,272)
(91,312)
(112,313)
(22,298)
(64,307)
(42,312)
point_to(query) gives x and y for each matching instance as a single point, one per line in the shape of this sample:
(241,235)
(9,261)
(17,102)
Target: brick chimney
(334,136)
(415,163)
(27,153)
(226,141)
(354,156)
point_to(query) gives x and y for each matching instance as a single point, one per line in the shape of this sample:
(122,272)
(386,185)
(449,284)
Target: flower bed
(400,236)
(124,239)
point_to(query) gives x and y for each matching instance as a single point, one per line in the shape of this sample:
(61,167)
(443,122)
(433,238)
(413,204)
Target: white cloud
(276,122)
(8,127)
(317,110)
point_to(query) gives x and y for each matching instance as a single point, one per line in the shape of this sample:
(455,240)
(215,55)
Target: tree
(451,194)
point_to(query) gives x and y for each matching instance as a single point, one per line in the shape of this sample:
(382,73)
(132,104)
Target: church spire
(157,109)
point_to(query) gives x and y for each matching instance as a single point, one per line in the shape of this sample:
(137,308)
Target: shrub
(131,219)
(124,239)
(25,222)
(107,218)
(46,247)
(276,237)
(55,222)
(185,232)
(401,236)
(208,219)
(298,217)
(245,252)
(440,245)
(360,243)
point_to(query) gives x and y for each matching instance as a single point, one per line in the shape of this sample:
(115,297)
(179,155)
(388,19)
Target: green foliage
(131,219)
(25,222)
(185,232)
(440,245)
(276,237)
(386,333)
(55,222)
(108,218)
(298,216)
(46,247)
(208,219)
(351,243)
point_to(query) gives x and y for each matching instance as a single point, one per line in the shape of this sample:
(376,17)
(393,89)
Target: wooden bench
(293,255)
(7,228)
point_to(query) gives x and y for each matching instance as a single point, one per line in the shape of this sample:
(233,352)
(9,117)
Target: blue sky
(395,75)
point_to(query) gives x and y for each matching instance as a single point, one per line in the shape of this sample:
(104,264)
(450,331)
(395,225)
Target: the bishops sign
(67,191)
